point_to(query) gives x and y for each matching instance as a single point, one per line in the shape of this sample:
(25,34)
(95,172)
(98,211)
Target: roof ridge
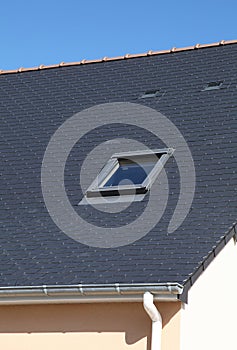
(127,56)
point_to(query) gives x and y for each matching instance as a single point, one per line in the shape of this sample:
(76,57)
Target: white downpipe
(156,320)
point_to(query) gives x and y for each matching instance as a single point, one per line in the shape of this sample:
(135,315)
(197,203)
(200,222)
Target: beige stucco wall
(209,319)
(116,326)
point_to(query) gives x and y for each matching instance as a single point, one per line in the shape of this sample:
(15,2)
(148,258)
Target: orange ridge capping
(127,56)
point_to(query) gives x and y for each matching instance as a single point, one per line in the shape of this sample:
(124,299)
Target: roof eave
(55,294)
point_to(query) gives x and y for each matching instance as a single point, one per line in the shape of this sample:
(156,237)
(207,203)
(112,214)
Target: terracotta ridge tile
(127,56)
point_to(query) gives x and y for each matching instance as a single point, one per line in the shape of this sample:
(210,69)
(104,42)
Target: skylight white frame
(97,193)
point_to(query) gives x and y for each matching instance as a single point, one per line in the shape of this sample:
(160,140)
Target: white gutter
(88,293)
(156,320)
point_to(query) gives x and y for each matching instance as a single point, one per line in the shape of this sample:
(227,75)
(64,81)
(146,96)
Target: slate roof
(35,103)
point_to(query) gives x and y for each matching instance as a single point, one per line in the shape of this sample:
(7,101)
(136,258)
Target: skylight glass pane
(130,172)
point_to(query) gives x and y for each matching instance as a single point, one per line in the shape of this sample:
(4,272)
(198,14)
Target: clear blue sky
(48,32)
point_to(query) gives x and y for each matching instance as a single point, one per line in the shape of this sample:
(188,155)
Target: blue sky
(49,32)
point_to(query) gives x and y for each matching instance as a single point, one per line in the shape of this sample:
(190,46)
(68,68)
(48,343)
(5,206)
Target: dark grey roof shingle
(34,104)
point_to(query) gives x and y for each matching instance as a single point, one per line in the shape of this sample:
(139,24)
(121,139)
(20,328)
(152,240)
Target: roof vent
(151,93)
(213,85)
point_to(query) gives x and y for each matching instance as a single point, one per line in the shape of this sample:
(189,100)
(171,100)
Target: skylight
(213,85)
(128,174)
(150,93)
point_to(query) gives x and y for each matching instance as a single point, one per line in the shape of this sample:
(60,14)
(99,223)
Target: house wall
(209,319)
(116,326)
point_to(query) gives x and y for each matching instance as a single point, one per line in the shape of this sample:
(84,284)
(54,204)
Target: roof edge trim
(127,56)
(229,234)
(88,293)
